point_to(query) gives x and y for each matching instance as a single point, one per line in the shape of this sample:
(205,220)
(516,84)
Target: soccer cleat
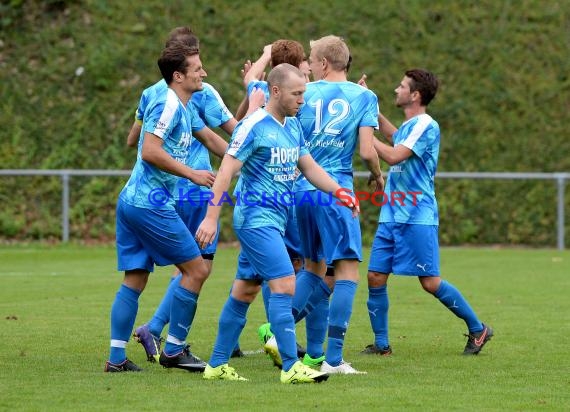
(222,372)
(264,333)
(150,343)
(313,362)
(272,350)
(344,368)
(372,349)
(184,360)
(126,366)
(476,341)
(237,353)
(300,373)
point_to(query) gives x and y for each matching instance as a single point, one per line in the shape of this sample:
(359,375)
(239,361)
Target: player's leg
(342,244)
(136,263)
(230,325)
(378,304)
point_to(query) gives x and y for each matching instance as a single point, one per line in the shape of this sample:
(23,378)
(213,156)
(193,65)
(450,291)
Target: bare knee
(376,279)
(430,284)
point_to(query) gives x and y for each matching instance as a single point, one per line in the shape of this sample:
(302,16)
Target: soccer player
(151,232)
(267,147)
(191,200)
(406,242)
(337,116)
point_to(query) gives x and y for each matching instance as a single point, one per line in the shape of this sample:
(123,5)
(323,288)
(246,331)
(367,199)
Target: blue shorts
(291,238)
(405,249)
(146,237)
(192,214)
(263,255)
(329,230)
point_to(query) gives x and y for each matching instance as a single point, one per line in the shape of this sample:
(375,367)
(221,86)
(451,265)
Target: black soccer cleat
(184,360)
(126,366)
(476,341)
(372,349)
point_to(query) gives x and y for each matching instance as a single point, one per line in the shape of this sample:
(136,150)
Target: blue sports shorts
(146,237)
(328,230)
(405,249)
(263,255)
(192,214)
(291,237)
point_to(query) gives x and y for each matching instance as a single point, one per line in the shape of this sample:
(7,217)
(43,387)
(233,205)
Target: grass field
(55,302)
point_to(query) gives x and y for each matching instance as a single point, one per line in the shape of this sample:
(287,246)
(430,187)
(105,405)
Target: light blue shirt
(270,152)
(167,118)
(330,117)
(410,190)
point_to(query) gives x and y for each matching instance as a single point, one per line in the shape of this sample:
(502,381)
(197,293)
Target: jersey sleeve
(161,118)
(420,136)
(242,143)
(370,110)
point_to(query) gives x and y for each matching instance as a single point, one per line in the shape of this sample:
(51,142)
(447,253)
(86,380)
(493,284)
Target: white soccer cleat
(344,368)
(272,350)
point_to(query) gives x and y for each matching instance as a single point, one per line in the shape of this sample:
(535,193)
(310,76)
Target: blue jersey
(167,118)
(212,111)
(269,152)
(208,108)
(331,116)
(410,192)
(258,84)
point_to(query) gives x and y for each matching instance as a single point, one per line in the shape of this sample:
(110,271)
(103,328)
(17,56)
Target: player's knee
(376,280)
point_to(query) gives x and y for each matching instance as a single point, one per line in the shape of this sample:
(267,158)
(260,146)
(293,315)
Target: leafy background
(71,73)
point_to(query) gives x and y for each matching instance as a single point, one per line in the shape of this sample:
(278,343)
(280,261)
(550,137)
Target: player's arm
(134,134)
(153,153)
(212,141)
(207,230)
(229,126)
(386,127)
(322,181)
(392,154)
(369,156)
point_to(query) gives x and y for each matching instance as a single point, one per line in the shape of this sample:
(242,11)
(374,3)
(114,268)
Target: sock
(305,283)
(317,320)
(231,323)
(283,327)
(182,313)
(265,293)
(450,296)
(123,315)
(162,314)
(378,304)
(339,317)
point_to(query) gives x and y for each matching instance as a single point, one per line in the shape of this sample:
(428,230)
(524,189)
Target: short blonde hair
(332,48)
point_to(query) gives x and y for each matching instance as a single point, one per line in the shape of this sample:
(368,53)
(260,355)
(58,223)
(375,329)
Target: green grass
(55,302)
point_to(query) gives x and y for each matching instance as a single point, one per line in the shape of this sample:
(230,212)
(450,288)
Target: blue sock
(162,314)
(455,302)
(123,315)
(232,320)
(317,320)
(305,283)
(339,317)
(182,313)
(378,305)
(283,327)
(265,293)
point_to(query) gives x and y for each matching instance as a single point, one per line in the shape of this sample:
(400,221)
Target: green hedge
(71,73)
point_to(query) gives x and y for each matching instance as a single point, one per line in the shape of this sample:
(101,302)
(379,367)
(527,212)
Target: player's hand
(206,232)
(256,100)
(376,184)
(351,202)
(362,81)
(245,70)
(203,178)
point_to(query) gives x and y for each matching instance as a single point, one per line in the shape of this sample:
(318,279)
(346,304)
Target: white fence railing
(66,174)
